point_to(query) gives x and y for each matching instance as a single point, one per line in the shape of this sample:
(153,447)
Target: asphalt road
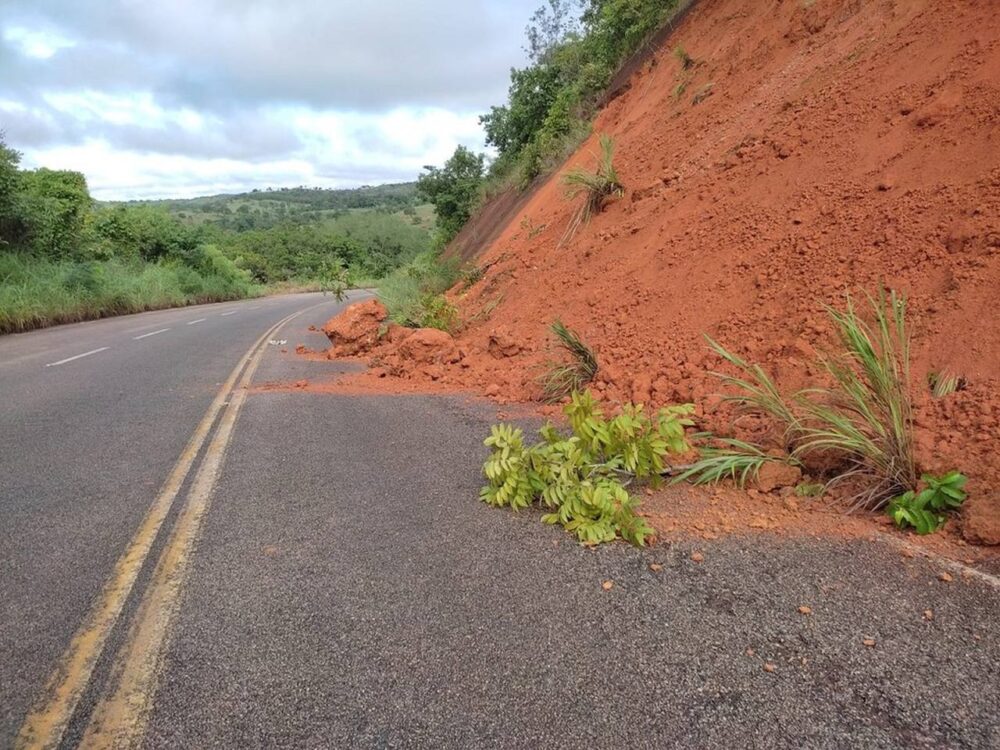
(345,588)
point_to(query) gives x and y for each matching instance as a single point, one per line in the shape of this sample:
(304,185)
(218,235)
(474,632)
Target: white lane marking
(200,320)
(233,312)
(147,335)
(78,356)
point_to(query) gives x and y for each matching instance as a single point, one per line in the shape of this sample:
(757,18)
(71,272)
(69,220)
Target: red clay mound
(356,329)
(808,152)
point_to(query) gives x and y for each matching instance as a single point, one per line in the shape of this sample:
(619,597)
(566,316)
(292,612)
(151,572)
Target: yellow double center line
(119,720)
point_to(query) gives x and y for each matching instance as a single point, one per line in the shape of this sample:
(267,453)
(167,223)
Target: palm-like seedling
(563,378)
(597,187)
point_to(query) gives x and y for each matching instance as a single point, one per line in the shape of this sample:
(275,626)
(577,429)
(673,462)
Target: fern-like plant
(597,187)
(582,478)
(562,378)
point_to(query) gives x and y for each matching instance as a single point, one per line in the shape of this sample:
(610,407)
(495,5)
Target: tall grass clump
(860,421)
(37,292)
(597,187)
(565,377)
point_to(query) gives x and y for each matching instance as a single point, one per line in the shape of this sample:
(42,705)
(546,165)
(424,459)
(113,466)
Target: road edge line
(121,714)
(46,721)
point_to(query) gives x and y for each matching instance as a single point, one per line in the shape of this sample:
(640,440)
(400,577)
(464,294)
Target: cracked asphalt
(348,590)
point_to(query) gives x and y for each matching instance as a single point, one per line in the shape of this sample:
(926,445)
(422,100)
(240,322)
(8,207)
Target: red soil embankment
(813,149)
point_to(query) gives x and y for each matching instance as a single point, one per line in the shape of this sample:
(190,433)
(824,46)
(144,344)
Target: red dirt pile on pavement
(811,151)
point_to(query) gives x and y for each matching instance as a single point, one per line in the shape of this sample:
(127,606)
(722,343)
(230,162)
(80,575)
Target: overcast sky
(162,98)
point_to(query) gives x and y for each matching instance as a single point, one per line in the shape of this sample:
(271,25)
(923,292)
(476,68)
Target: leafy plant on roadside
(582,478)
(562,378)
(597,187)
(862,421)
(334,279)
(924,510)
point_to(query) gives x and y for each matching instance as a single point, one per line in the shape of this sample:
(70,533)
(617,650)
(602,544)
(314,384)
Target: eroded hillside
(808,150)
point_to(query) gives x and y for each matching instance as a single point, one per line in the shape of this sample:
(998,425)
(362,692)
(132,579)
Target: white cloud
(178,97)
(37,44)
(335,150)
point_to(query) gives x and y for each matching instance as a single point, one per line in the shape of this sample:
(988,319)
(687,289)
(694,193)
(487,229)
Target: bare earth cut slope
(811,150)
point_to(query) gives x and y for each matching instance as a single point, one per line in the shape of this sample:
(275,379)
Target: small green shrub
(582,478)
(924,510)
(334,279)
(472,276)
(683,57)
(408,291)
(810,489)
(438,312)
(562,378)
(597,187)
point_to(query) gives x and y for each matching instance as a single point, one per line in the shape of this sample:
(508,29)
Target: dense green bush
(453,190)
(551,101)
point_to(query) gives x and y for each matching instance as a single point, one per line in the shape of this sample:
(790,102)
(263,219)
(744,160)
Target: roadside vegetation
(852,430)
(855,428)
(577,368)
(597,187)
(414,293)
(65,257)
(582,479)
(575,47)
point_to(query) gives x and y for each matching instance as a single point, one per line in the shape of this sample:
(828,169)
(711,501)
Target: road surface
(188,563)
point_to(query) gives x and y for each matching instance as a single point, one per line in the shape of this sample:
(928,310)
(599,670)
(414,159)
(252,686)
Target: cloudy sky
(162,98)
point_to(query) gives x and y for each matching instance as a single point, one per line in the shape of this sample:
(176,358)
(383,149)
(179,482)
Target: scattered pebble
(928,614)
(750,652)
(804,610)
(608,585)
(869,642)
(655,567)
(946,577)
(769,667)
(697,557)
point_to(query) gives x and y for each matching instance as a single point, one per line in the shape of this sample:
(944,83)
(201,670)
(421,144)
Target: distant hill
(260,209)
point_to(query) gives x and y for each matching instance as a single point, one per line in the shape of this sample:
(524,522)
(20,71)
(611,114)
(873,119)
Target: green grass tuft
(563,378)
(863,419)
(597,187)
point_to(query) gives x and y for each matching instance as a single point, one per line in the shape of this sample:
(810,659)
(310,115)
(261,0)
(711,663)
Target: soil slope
(812,150)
